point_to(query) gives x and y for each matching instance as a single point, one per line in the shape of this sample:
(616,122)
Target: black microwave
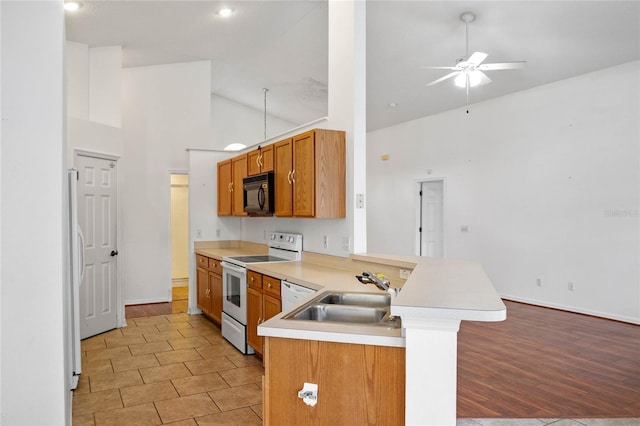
(259,194)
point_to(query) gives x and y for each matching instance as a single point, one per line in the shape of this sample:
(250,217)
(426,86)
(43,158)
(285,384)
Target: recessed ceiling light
(226,12)
(72,6)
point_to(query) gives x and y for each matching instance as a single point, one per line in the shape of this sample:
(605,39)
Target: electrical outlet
(218,233)
(198,233)
(345,244)
(539,282)
(571,286)
(264,235)
(325,241)
(464,228)
(404,274)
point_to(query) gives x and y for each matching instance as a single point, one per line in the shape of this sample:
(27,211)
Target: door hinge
(420,193)
(420,229)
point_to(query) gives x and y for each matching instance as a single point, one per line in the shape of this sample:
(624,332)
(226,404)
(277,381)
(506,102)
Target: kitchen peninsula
(438,294)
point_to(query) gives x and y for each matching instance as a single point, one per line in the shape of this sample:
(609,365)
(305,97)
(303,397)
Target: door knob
(114,252)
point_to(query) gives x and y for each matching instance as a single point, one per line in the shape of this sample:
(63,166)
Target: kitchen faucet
(379,280)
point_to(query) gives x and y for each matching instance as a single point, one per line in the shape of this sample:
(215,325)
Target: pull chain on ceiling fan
(468,71)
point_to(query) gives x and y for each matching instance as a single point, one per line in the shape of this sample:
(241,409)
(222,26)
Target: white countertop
(437,289)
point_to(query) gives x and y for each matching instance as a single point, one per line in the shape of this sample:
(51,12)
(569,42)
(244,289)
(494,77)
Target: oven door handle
(233,267)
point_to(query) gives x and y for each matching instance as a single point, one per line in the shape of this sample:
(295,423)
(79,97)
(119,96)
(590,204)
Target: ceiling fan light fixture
(475,78)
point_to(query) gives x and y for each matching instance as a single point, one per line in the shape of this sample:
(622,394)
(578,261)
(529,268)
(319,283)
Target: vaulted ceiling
(282,45)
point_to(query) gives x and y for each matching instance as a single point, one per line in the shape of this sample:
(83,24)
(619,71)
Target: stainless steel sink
(359,299)
(348,308)
(338,313)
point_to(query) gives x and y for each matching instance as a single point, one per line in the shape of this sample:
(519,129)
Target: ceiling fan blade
(502,66)
(476,58)
(439,68)
(446,77)
(483,78)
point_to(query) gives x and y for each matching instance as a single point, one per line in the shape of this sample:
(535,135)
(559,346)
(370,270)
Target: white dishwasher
(292,294)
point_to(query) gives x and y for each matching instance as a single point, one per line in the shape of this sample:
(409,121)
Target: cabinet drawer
(202,261)
(214,266)
(254,280)
(271,286)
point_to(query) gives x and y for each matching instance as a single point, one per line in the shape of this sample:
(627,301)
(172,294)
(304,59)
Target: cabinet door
(304,175)
(253,163)
(254,318)
(215,296)
(283,162)
(202,282)
(362,383)
(239,171)
(266,159)
(224,188)
(270,307)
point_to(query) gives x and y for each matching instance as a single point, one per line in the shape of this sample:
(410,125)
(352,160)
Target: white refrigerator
(76,272)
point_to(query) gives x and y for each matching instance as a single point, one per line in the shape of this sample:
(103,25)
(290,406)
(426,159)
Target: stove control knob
(273,236)
(290,239)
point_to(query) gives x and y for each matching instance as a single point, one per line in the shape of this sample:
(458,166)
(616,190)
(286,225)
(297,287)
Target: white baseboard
(146,301)
(574,309)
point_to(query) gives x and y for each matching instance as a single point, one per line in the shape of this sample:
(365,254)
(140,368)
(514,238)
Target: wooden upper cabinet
(230,190)
(303,175)
(310,175)
(260,160)
(224,188)
(283,164)
(239,172)
(309,171)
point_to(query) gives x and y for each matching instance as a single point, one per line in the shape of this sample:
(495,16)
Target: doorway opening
(179,242)
(430,237)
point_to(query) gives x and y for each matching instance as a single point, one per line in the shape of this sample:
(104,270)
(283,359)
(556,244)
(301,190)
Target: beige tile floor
(168,369)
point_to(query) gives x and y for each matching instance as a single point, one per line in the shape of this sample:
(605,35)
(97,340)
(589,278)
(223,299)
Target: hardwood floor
(548,363)
(178,305)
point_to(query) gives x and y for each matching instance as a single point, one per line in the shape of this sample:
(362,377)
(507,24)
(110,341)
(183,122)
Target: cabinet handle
(258,161)
(289,177)
(293,179)
(231,187)
(269,285)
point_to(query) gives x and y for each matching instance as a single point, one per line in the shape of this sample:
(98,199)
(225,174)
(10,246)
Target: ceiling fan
(468,71)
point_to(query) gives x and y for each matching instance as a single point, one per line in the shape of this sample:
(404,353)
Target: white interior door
(97,186)
(432,218)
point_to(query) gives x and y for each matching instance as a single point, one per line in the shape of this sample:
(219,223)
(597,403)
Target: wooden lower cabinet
(263,302)
(254,318)
(357,384)
(209,283)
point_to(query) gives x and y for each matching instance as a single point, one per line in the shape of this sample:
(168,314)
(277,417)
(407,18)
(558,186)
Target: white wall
(94,83)
(105,85)
(33,381)
(232,122)
(204,223)
(347,111)
(165,111)
(547,180)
